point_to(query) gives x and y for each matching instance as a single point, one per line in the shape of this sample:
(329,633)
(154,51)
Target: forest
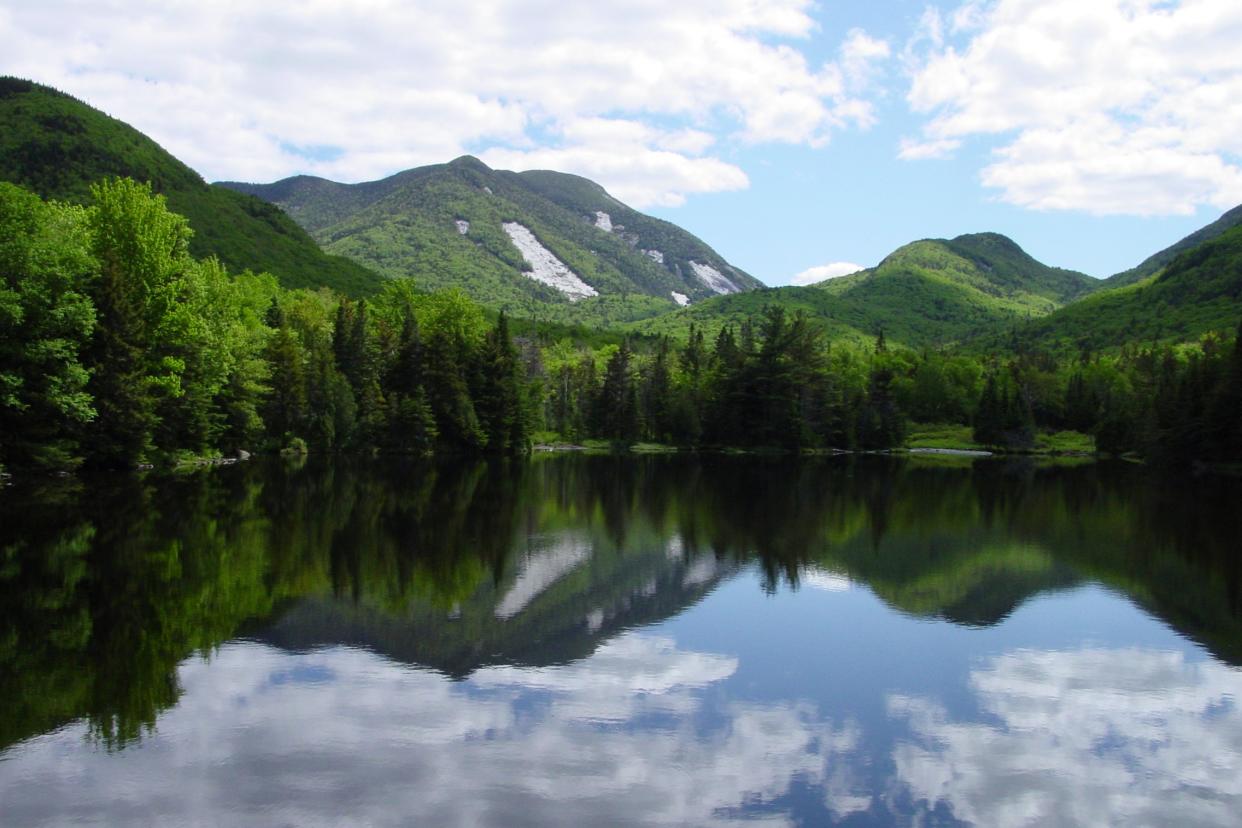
(118,348)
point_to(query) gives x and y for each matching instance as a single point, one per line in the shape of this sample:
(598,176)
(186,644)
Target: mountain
(57,146)
(541,244)
(1198,291)
(929,292)
(1151,265)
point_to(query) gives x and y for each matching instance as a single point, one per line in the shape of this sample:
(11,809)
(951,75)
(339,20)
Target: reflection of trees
(105,588)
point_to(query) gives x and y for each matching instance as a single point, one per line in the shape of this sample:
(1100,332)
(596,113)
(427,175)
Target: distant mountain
(928,292)
(1154,263)
(541,244)
(1198,291)
(58,146)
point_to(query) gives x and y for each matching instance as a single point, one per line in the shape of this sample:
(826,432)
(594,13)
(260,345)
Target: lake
(579,640)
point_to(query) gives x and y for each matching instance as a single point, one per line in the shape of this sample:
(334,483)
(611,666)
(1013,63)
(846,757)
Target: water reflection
(342,736)
(1084,737)
(492,643)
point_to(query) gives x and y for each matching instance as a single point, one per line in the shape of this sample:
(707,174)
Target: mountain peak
(991,240)
(469,162)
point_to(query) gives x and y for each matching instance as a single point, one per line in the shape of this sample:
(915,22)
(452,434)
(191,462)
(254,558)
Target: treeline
(773,382)
(118,348)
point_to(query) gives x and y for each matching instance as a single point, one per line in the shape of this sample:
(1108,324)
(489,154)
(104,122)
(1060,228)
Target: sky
(800,139)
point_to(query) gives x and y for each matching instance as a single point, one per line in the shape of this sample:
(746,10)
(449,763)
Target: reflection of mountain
(554,609)
(105,589)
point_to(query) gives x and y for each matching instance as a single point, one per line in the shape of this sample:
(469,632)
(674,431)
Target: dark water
(602,641)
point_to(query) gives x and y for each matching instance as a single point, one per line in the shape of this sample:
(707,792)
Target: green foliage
(407,225)
(46,321)
(1198,292)
(58,147)
(1157,262)
(926,293)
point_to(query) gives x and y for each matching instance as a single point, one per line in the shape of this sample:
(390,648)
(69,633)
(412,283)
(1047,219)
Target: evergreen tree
(657,404)
(989,414)
(1224,416)
(499,403)
(617,404)
(285,409)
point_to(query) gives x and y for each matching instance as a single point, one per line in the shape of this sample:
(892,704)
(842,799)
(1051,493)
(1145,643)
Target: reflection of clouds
(1090,737)
(630,674)
(824,580)
(341,736)
(540,570)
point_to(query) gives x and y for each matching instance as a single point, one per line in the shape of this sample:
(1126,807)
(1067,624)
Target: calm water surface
(611,641)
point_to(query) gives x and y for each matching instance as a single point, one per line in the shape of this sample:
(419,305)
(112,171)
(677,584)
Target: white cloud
(233,88)
(342,736)
(1111,106)
(640,165)
(819,273)
(1088,737)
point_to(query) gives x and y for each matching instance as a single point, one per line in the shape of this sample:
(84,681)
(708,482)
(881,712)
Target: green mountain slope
(58,146)
(928,292)
(460,224)
(1152,265)
(1199,291)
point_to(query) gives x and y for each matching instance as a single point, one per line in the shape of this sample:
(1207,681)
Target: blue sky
(793,136)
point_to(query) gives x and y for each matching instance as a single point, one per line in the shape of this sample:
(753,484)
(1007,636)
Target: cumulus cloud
(633,92)
(341,736)
(1111,107)
(819,273)
(1087,737)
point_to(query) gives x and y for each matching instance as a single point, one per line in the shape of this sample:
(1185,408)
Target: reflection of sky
(810,706)
(343,736)
(1083,737)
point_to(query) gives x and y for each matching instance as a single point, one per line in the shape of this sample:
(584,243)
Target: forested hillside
(1198,292)
(1152,264)
(117,347)
(540,245)
(932,292)
(58,147)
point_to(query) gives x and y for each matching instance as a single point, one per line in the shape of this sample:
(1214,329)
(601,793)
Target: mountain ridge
(927,292)
(463,224)
(1152,264)
(57,146)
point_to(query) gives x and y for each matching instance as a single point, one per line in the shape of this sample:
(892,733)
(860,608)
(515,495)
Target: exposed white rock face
(700,572)
(603,221)
(655,255)
(681,298)
(545,267)
(463,226)
(713,278)
(539,571)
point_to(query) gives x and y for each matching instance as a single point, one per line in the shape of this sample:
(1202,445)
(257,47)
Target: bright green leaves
(45,320)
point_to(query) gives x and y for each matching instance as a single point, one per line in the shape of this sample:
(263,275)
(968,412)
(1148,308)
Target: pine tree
(617,403)
(1224,416)
(988,423)
(285,408)
(499,401)
(657,396)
